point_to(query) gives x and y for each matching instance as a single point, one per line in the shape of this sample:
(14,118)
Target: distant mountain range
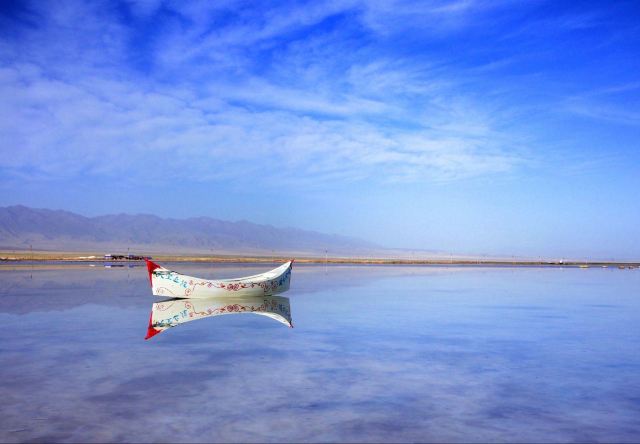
(22,227)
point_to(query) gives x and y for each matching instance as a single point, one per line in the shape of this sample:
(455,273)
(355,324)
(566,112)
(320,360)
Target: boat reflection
(172,312)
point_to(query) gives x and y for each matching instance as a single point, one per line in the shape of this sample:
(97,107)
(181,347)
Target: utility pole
(326,260)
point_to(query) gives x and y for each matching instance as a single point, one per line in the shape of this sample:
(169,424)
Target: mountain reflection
(173,312)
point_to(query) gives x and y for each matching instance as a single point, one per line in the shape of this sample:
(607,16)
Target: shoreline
(69,257)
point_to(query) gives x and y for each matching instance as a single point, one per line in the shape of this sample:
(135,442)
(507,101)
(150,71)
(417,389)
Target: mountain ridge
(25,227)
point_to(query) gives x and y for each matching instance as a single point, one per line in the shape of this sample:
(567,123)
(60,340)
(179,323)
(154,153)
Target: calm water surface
(379,353)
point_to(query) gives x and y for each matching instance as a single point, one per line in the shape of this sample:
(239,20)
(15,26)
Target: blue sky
(465,126)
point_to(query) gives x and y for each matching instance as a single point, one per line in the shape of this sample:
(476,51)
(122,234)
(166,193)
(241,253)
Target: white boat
(169,283)
(173,312)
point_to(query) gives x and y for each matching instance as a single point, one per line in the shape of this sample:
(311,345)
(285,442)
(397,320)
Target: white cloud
(611,104)
(349,118)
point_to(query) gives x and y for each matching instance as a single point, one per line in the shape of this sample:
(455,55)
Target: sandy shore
(41,256)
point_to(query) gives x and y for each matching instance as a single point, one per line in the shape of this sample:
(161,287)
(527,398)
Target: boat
(168,283)
(173,312)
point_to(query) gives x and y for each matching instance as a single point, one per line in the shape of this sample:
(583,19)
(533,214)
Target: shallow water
(378,353)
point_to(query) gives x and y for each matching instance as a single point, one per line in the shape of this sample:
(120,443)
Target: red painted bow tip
(150,267)
(151,332)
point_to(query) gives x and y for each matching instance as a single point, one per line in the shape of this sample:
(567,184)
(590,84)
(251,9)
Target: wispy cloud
(74,104)
(601,111)
(609,104)
(310,92)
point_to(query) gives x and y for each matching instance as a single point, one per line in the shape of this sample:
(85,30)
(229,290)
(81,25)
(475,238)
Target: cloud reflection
(379,354)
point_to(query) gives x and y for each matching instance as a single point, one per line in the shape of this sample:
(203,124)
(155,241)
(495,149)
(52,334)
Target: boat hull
(168,283)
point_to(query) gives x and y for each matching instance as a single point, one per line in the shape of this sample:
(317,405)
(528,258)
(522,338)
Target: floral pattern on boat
(173,312)
(166,282)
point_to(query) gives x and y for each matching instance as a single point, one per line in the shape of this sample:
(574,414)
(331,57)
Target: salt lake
(377,353)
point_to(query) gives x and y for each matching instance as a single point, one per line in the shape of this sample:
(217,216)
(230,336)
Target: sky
(471,127)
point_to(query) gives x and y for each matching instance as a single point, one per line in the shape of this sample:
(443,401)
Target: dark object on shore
(123,257)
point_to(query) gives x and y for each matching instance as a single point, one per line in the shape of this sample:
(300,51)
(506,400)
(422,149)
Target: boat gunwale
(266,276)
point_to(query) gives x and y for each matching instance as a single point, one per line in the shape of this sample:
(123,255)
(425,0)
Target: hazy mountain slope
(21,227)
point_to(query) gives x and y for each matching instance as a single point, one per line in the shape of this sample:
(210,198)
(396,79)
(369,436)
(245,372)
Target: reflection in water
(379,354)
(173,312)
